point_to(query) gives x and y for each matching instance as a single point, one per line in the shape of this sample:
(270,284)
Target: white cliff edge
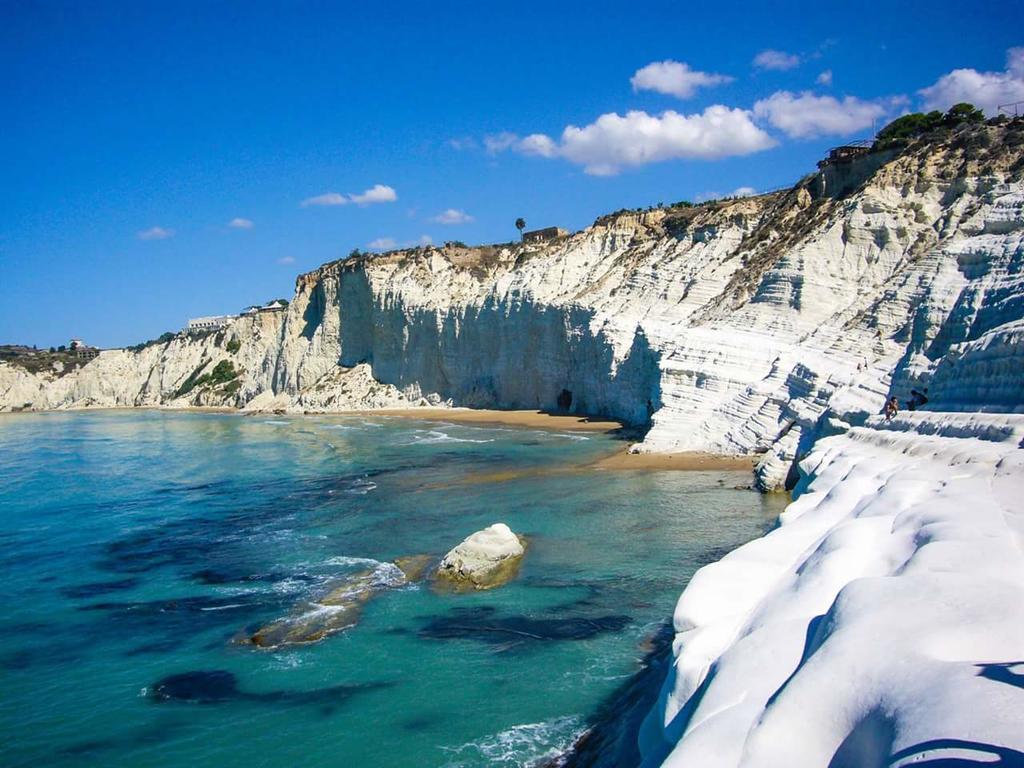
(881,623)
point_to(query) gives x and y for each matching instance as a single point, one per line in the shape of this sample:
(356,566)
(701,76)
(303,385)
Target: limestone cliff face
(753,325)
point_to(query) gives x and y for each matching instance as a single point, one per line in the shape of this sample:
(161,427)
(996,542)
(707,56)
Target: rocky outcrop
(337,609)
(484,560)
(745,326)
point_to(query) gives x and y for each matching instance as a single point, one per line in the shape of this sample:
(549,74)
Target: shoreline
(619,460)
(512,418)
(686,461)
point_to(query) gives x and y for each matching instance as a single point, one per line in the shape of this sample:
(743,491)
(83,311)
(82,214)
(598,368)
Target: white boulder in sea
(486,559)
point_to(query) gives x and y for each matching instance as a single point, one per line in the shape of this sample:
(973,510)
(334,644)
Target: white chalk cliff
(753,325)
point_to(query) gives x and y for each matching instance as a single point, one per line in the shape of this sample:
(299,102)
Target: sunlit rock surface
(484,560)
(880,624)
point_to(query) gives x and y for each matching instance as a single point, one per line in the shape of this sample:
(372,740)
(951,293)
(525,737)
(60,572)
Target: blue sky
(134,136)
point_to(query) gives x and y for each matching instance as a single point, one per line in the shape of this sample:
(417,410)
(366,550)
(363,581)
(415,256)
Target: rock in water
(487,559)
(340,608)
(414,566)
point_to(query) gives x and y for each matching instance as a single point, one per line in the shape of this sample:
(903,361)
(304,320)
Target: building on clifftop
(211,323)
(544,235)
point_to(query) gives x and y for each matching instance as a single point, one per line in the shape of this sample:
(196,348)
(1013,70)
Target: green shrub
(233,346)
(906,127)
(222,373)
(163,338)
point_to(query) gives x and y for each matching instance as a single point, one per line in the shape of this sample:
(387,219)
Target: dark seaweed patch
(98,588)
(485,625)
(219,686)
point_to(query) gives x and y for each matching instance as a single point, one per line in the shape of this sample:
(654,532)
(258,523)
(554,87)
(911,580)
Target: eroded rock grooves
(752,325)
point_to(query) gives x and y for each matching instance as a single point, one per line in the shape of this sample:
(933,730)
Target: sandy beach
(532,419)
(689,461)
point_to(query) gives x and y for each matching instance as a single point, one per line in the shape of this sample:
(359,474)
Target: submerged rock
(340,608)
(484,560)
(414,566)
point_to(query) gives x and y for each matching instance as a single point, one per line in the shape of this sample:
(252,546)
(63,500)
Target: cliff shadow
(511,353)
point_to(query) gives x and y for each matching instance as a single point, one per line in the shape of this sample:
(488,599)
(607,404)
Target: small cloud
(286,260)
(776,60)
(378,193)
(499,142)
(328,198)
(425,240)
(986,90)
(743,192)
(383,244)
(805,115)
(674,78)
(537,144)
(463,143)
(453,216)
(825,78)
(155,233)
(240,223)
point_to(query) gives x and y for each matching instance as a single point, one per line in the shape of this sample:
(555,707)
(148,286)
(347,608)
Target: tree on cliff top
(907,127)
(520,225)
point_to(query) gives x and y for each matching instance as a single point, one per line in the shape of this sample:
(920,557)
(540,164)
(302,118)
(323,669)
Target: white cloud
(537,144)
(825,78)
(383,244)
(155,233)
(743,192)
(328,198)
(805,115)
(674,78)
(378,193)
(615,141)
(240,223)
(286,260)
(499,142)
(776,60)
(453,216)
(425,240)
(462,143)
(986,90)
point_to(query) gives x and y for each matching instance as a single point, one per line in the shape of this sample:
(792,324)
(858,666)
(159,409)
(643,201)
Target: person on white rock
(892,408)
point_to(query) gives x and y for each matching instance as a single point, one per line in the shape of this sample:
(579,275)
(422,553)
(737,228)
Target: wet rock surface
(338,609)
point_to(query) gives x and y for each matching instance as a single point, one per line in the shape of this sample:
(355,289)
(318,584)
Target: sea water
(138,547)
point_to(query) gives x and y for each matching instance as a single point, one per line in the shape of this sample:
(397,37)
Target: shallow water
(135,546)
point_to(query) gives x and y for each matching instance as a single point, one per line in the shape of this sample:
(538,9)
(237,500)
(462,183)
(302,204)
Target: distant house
(847,153)
(543,235)
(81,350)
(277,305)
(211,323)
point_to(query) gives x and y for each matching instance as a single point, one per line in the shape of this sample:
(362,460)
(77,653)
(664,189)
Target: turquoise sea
(136,547)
